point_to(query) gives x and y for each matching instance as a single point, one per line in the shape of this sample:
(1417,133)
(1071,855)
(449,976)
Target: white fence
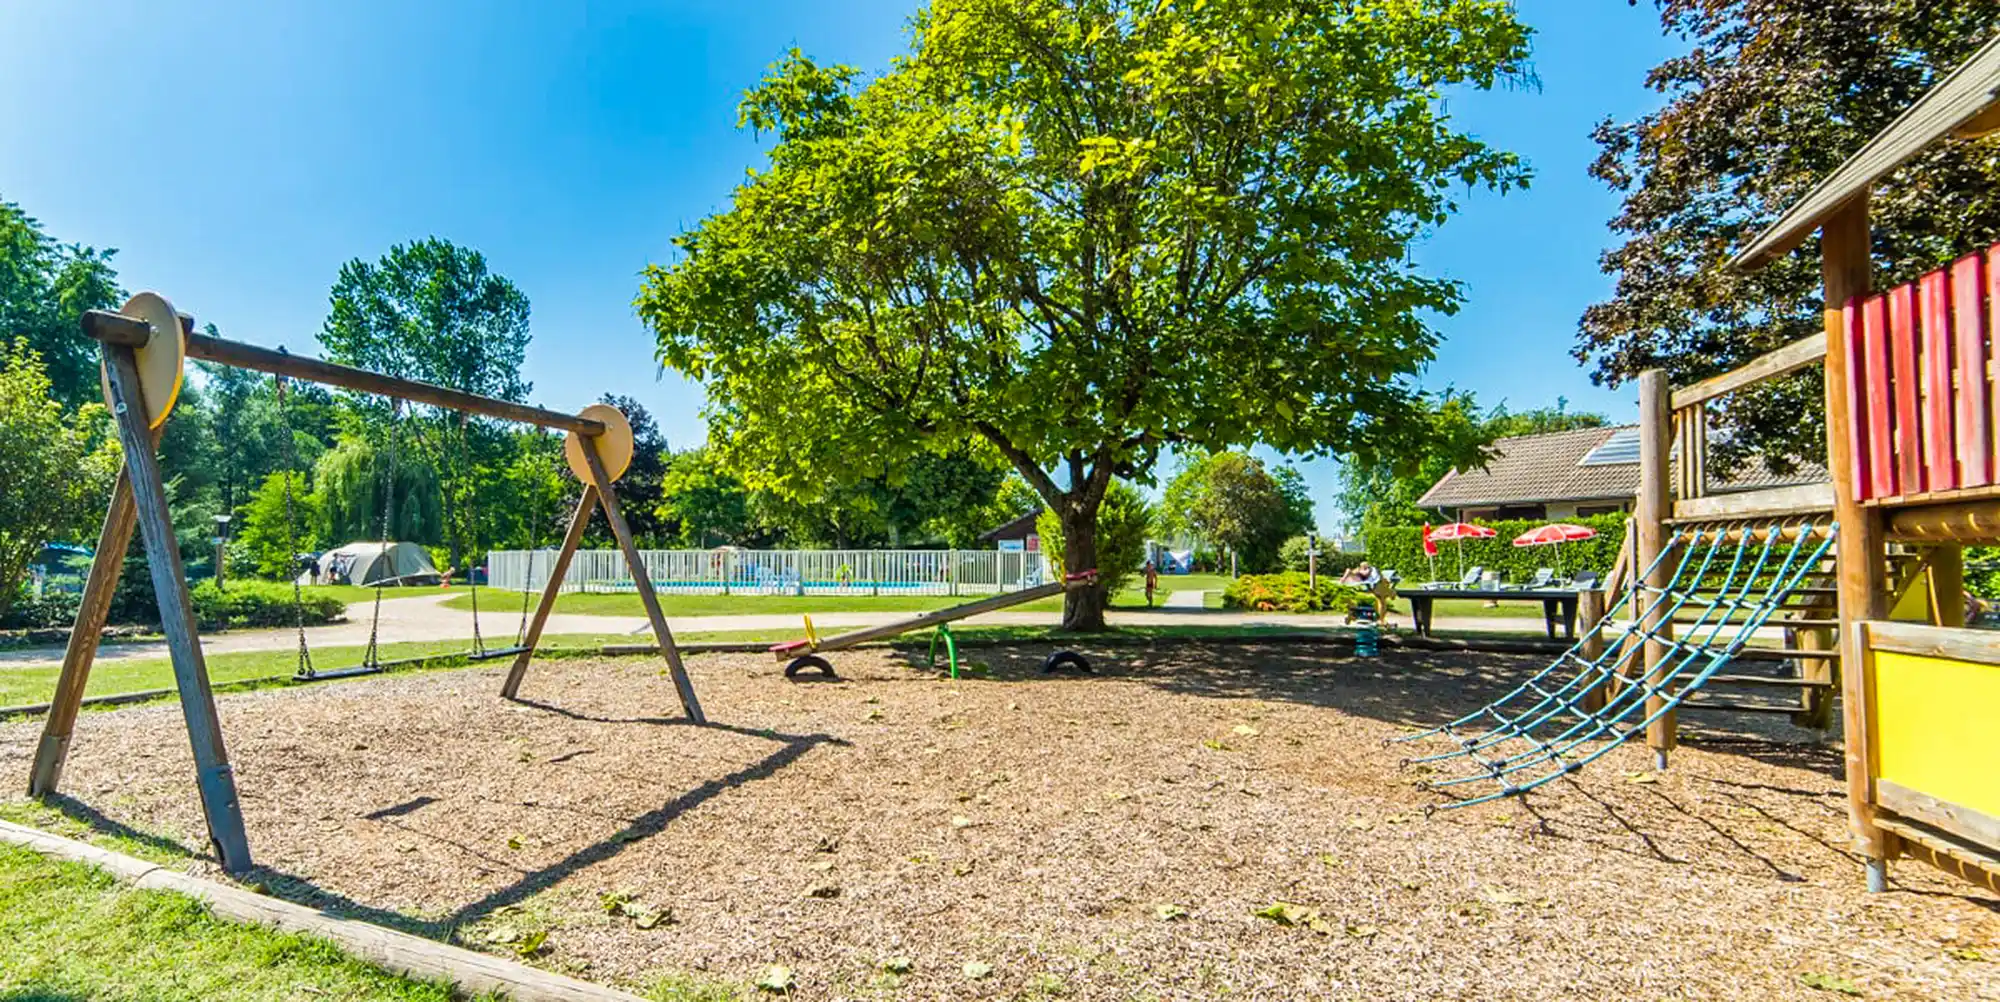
(778,572)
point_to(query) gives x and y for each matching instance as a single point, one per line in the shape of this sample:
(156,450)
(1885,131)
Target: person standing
(1152,581)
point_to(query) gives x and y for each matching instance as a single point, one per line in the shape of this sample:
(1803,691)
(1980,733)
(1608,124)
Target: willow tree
(1084,231)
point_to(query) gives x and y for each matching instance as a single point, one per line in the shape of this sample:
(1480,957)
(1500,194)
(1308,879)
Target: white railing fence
(778,572)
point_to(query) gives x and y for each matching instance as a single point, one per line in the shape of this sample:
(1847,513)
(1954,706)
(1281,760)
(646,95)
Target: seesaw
(806,652)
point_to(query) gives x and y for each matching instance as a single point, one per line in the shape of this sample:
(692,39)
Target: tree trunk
(1083,608)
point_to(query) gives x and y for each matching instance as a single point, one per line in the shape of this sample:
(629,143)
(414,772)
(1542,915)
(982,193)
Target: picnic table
(1558,604)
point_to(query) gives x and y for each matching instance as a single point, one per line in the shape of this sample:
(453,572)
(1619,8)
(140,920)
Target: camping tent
(367,563)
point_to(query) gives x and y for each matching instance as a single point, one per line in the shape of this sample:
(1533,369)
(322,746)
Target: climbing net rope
(1731,578)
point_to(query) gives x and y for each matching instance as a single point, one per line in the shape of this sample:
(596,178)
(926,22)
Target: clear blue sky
(237,154)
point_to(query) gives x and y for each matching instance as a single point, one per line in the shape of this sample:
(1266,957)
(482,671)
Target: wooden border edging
(401,953)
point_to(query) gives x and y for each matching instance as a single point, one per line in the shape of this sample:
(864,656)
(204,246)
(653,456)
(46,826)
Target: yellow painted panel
(1915,606)
(1937,727)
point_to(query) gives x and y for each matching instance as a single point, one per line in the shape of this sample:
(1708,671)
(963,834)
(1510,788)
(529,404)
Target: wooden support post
(91,614)
(608,497)
(1650,538)
(1589,615)
(1947,585)
(213,776)
(1863,576)
(578,523)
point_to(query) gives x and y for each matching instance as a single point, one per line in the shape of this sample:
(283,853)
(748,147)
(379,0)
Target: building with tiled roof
(1569,474)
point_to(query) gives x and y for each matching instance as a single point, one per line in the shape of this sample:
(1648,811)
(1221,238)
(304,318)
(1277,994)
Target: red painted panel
(1858,427)
(1934,324)
(1969,339)
(1993,355)
(1881,434)
(1903,359)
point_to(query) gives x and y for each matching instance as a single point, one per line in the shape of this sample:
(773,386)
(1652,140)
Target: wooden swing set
(145,347)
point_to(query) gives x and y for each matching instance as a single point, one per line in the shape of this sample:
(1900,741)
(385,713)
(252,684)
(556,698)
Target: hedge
(1401,548)
(1289,592)
(258,603)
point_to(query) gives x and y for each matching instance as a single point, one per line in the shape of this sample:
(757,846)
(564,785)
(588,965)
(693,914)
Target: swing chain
(304,670)
(372,659)
(470,502)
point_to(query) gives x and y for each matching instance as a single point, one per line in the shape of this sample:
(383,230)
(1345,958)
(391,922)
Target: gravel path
(1025,837)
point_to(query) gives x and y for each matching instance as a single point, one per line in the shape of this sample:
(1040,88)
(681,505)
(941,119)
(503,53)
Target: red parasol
(1454,532)
(1462,530)
(1555,533)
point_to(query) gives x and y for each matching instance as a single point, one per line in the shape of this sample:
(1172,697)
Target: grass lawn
(37,684)
(73,933)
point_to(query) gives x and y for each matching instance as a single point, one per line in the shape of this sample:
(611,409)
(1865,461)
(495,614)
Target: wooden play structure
(1912,378)
(1910,409)
(145,346)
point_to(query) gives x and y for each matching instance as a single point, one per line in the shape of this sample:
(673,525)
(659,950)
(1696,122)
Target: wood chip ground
(1016,836)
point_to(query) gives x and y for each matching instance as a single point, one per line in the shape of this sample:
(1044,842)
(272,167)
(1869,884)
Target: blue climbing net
(1732,578)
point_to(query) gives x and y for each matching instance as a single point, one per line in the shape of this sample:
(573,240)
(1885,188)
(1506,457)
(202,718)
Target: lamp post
(221,542)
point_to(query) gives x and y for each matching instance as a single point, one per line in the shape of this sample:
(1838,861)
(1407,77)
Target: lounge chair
(1471,578)
(1544,577)
(1584,580)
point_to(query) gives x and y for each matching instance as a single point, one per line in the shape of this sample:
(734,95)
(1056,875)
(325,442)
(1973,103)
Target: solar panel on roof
(1620,448)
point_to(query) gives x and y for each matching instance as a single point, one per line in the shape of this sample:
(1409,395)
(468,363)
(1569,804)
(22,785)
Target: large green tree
(432,311)
(45,286)
(56,466)
(1085,231)
(1232,500)
(1771,96)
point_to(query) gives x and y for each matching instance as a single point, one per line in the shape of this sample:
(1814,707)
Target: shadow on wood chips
(1018,835)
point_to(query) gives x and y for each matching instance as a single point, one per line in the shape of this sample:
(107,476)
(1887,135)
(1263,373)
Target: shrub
(1401,547)
(1289,592)
(1334,562)
(54,610)
(258,603)
(1124,521)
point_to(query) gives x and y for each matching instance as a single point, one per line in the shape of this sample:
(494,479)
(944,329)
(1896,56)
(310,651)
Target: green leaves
(1082,234)
(776,979)
(1829,983)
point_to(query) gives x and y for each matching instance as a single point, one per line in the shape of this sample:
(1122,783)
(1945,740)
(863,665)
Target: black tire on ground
(804,661)
(1066,661)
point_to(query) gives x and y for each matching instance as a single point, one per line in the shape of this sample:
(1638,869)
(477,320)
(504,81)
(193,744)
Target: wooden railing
(1918,369)
(1691,487)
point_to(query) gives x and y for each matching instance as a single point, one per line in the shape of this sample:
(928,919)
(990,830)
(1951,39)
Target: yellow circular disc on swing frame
(161,360)
(614,447)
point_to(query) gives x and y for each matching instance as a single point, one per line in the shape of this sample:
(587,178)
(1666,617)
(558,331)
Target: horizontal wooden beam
(1965,94)
(1958,522)
(1791,358)
(107,327)
(250,356)
(1803,499)
(1957,643)
(1956,819)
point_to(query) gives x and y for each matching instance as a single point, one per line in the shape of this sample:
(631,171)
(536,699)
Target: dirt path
(1025,837)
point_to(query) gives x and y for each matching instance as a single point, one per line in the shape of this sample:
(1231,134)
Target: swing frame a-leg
(600,494)
(139,501)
